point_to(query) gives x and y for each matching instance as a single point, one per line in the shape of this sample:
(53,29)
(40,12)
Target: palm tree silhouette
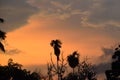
(73,60)
(56,44)
(2,37)
(2,47)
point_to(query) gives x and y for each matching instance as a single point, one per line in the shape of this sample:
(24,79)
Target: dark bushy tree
(73,60)
(86,71)
(114,73)
(14,71)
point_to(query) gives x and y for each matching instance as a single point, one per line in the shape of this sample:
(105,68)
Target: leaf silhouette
(1,20)
(2,47)
(56,44)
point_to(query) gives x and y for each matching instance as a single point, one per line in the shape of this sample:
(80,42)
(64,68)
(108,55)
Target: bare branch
(53,62)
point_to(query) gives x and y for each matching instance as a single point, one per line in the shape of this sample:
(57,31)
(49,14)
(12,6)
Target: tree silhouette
(84,71)
(60,68)
(56,44)
(14,71)
(115,66)
(73,60)
(2,37)
(71,76)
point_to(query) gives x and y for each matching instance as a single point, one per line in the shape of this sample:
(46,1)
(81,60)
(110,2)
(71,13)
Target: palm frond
(2,47)
(2,35)
(52,43)
(58,43)
(1,20)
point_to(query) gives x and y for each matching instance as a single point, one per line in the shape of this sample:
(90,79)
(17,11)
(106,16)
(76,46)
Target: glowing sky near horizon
(82,25)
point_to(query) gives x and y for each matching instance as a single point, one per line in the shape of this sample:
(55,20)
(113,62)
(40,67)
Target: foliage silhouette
(2,37)
(1,20)
(115,65)
(71,76)
(56,44)
(14,71)
(73,60)
(60,68)
(85,71)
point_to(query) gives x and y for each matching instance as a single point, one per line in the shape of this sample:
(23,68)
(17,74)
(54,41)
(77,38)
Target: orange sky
(34,42)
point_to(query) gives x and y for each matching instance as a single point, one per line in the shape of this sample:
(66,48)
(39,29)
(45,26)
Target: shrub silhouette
(114,73)
(14,71)
(84,71)
(71,76)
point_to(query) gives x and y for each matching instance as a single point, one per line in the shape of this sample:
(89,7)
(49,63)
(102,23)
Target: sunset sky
(88,26)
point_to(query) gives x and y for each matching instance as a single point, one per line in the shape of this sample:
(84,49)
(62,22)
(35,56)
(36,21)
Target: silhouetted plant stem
(73,70)
(58,69)
(53,63)
(56,44)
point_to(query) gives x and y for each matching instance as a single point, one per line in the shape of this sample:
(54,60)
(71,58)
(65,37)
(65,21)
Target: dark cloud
(101,68)
(97,12)
(108,10)
(15,13)
(106,60)
(107,51)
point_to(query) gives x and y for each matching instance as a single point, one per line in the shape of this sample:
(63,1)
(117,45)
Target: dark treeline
(14,71)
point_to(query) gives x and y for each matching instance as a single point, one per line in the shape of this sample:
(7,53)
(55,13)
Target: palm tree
(2,37)
(56,44)
(73,60)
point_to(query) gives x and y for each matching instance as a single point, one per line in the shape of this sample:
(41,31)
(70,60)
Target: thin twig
(53,62)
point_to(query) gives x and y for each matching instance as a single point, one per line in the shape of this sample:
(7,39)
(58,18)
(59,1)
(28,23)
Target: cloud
(80,13)
(85,13)
(105,61)
(15,13)
(62,9)
(12,51)
(105,12)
